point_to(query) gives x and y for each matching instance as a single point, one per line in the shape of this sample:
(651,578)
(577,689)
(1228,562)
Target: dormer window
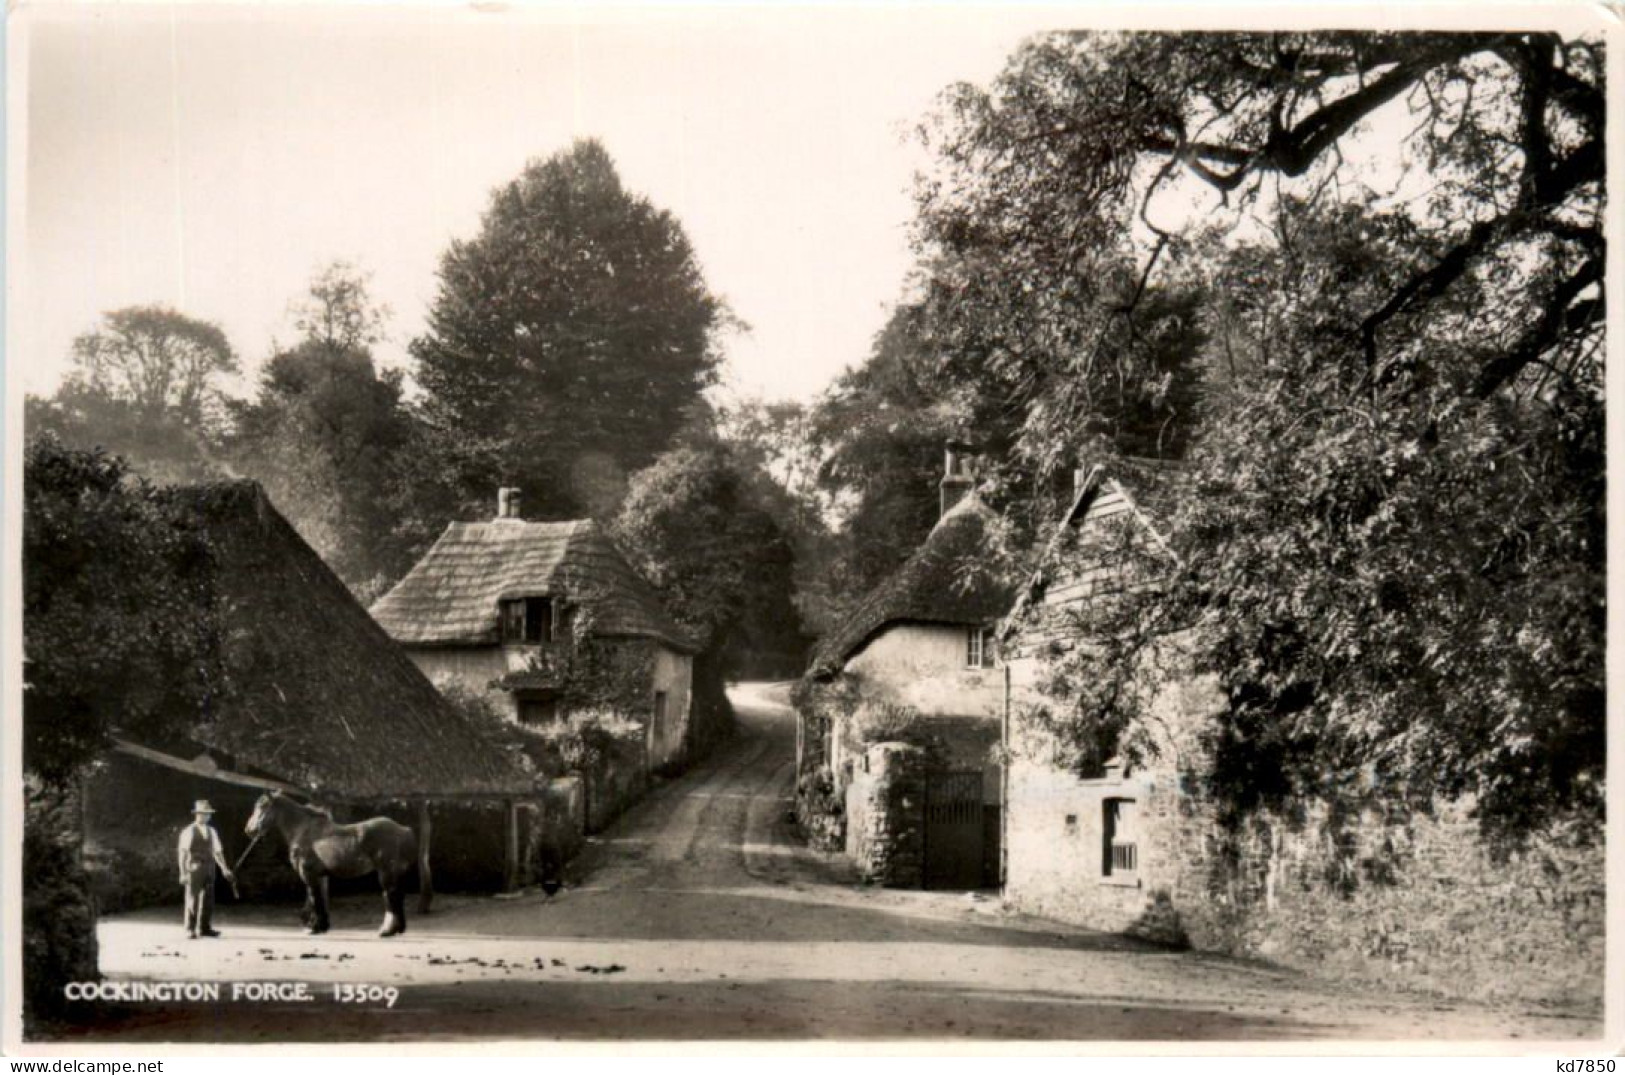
(530,621)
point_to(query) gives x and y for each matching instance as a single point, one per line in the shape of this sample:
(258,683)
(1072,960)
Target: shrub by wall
(59,914)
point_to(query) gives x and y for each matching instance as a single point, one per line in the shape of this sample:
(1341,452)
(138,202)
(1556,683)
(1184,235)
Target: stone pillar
(886,815)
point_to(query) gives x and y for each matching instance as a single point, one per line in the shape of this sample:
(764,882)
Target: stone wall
(885,815)
(1407,897)
(1368,886)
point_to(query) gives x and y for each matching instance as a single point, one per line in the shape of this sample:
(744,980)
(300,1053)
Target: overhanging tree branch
(1562,316)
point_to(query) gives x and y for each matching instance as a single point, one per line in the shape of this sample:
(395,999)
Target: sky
(214,158)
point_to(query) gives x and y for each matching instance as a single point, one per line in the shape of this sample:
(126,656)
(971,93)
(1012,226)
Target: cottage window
(530,620)
(978,647)
(1120,851)
(536,710)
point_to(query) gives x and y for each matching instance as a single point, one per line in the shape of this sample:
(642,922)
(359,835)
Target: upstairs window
(978,647)
(530,620)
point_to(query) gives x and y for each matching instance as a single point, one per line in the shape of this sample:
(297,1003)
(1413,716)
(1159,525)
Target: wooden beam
(207,772)
(510,873)
(425,872)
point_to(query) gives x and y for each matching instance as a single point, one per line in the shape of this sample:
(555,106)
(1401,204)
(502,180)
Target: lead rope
(246,850)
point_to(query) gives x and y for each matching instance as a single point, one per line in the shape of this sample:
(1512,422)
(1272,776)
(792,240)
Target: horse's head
(261,816)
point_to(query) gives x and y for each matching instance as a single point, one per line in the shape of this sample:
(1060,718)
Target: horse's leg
(387,884)
(398,892)
(316,885)
(307,913)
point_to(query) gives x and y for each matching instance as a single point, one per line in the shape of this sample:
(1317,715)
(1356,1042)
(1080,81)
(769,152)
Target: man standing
(199,850)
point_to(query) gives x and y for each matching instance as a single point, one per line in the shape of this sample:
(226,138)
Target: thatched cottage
(915,662)
(545,618)
(321,704)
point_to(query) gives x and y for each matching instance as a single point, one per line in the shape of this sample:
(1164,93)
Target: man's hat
(202,807)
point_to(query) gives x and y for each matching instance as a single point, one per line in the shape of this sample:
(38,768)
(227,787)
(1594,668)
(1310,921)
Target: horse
(319,848)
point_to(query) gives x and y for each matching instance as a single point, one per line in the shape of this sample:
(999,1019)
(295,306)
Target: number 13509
(350,993)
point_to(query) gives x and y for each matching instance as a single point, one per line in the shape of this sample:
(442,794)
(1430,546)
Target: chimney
(508,503)
(958,475)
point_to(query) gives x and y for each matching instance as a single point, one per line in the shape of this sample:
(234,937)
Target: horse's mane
(308,808)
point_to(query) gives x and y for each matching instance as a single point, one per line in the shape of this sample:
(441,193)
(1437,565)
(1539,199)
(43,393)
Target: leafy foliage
(123,634)
(569,341)
(58,934)
(723,564)
(331,440)
(879,433)
(337,312)
(1390,549)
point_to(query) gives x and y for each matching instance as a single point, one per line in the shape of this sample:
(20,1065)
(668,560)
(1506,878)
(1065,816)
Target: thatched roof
(321,697)
(451,597)
(948,580)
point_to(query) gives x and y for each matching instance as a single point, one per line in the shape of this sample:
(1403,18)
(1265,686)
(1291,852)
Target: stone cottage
(321,704)
(915,666)
(1369,884)
(546,619)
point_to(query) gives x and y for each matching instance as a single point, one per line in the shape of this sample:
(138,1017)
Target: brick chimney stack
(958,475)
(508,503)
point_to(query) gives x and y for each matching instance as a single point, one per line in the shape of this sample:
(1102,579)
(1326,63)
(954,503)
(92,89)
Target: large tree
(157,360)
(330,438)
(569,341)
(701,527)
(1392,549)
(702,530)
(145,383)
(879,433)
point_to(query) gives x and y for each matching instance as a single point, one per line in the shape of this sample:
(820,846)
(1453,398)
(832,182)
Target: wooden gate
(953,830)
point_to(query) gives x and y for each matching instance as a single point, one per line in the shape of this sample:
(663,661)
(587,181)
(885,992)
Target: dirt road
(699,915)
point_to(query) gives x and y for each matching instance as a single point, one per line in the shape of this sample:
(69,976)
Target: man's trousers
(199,900)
